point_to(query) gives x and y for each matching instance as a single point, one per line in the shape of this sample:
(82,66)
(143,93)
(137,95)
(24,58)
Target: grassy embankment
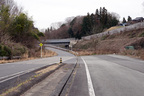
(114,44)
(36,55)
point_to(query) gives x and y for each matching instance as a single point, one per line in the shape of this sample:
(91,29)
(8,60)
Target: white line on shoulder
(90,85)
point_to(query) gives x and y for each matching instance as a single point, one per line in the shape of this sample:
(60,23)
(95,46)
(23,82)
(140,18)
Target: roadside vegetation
(77,27)
(18,36)
(118,43)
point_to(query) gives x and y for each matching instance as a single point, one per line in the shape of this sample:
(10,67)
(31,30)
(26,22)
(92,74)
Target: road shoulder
(52,85)
(77,84)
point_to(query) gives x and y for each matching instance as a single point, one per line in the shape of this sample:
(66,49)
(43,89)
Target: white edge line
(90,85)
(16,75)
(22,72)
(12,75)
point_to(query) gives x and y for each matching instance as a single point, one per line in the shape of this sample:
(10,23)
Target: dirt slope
(114,44)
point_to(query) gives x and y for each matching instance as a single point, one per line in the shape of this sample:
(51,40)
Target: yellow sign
(41,44)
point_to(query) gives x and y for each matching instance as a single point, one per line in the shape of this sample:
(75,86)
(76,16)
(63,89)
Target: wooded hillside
(17,32)
(84,25)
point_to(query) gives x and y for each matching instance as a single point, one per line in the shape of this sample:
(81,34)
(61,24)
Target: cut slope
(115,43)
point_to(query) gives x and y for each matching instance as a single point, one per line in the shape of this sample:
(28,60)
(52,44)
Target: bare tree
(56,25)
(13,8)
(115,15)
(77,24)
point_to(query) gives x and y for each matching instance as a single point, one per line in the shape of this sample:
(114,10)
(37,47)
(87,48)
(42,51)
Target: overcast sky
(46,12)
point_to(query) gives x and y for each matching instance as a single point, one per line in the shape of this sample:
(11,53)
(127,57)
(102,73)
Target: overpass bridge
(61,42)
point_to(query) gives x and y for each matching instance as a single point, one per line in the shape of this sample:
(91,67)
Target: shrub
(141,35)
(40,34)
(18,50)
(132,35)
(8,51)
(104,37)
(5,50)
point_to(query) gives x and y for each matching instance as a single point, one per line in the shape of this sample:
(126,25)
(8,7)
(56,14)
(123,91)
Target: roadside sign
(41,44)
(41,48)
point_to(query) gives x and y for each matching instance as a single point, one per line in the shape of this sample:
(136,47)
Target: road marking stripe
(5,78)
(90,85)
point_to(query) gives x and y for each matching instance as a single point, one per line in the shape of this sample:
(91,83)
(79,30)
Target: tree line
(17,32)
(84,25)
(128,19)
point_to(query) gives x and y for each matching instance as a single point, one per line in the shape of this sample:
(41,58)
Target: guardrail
(63,49)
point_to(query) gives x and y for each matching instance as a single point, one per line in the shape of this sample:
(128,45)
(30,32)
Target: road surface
(108,75)
(11,70)
(97,75)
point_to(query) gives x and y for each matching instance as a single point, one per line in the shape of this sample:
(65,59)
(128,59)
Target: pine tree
(97,12)
(70,31)
(124,20)
(129,18)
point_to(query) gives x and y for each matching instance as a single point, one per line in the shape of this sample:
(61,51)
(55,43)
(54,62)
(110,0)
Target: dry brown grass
(48,69)
(85,52)
(114,44)
(46,53)
(115,27)
(7,61)
(134,53)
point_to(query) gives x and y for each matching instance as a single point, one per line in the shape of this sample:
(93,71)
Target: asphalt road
(108,75)
(11,70)
(97,75)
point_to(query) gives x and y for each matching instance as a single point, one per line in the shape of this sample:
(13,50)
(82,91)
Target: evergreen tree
(70,31)
(124,20)
(104,17)
(87,25)
(92,19)
(97,12)
(4,19)
(92,23)
(23,31)
(129,18)
(100,11)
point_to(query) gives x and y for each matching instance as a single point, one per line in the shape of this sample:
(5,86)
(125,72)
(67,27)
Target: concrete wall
(126,28)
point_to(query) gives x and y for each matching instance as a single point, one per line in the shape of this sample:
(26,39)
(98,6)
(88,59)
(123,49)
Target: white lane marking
(6,78)
(90,85)
(11,75)
(24,72)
